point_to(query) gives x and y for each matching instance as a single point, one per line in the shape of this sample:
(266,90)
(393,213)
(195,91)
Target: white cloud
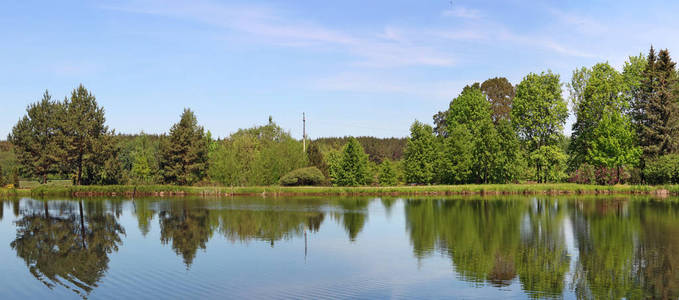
(270,26)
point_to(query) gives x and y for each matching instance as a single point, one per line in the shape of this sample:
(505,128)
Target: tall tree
(184,152)
(500,93)
(614,143)
(655,110)
(36,138)
(316,158)
(472,109)
(539,113)
(420,154)
(351,169)
(594,92)
(82,125)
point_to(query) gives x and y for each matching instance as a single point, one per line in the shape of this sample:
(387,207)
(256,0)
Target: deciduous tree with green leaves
(387,175)
(420,154)
(538,114)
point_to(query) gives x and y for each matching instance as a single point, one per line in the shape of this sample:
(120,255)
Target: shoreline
(276,191)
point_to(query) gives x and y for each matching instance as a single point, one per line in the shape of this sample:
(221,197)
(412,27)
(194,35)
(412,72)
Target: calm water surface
(317,248)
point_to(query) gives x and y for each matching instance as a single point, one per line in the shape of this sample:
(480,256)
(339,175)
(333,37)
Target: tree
(594,92)
(387,175)
(472,109)
(420,154)
(36,138)
(351,169)
(539,113)
(454,156)
(500,93)
(655,110)
(614,144)
(256,156)
(552,162)
(316,158)
(184,151)
(82,126)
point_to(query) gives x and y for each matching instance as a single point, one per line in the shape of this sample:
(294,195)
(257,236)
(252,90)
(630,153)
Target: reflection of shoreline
(621,248)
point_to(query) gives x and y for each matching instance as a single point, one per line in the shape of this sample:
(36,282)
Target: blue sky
(355,67)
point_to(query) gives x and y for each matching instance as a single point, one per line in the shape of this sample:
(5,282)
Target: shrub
(303,176)
(664,169)
(588,174)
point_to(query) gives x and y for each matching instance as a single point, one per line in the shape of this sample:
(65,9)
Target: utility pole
(303,132)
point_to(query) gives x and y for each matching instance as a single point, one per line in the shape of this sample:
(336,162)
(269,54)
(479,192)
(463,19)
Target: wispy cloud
(462,12)
(271,26)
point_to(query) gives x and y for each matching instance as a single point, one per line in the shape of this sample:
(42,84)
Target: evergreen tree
(656,111)
(184,158)
(387,175)
(352,166)
(420,154)
(82,125)
(36,138)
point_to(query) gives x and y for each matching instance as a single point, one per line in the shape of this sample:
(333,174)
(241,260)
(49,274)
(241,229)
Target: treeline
(69,140)
(626,129)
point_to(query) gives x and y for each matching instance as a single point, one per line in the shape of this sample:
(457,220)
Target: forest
(625,132)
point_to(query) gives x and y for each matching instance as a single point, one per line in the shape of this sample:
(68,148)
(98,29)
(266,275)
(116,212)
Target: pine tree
(184,151)
(655,111)
(37,138)
(82,131)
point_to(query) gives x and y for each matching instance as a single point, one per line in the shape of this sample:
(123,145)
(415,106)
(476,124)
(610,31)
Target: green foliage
(551,162)
(84,133)
(454,161)
(303,176)
(316,158)
(378,149)
(656,107)
(350,168)
(500,93)
(538,114)
(662,170)
(614,143)
(387,174)
(37,138)
(420,154)
(256,156)
(184,152)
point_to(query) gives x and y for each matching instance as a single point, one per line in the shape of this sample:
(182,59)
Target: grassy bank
(486,189)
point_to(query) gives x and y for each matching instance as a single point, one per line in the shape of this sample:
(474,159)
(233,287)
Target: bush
(664,169)
(588,174)
(303,176)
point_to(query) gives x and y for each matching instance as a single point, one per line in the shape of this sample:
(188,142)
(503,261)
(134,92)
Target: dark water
(340,248)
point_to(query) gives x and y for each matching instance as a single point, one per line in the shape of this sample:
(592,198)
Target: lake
(340,247)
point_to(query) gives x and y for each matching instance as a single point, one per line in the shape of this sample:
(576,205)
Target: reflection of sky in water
(379,263)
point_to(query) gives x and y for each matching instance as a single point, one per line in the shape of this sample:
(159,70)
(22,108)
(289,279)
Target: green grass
(26,184)
(485,189)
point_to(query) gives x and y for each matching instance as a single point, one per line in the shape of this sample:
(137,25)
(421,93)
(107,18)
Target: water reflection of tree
(69,248)
(627,249)
(353,216)
(487,244)
(187,227)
